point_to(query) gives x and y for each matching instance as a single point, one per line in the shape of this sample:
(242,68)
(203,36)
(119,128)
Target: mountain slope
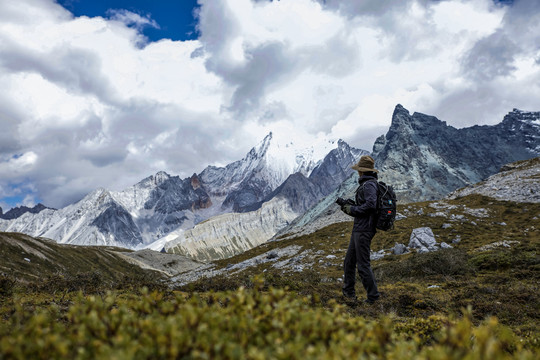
(423,158)
(230,234)
(34,259)
(519,182)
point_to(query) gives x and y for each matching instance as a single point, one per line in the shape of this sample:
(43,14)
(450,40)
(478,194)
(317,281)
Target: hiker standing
(364,211)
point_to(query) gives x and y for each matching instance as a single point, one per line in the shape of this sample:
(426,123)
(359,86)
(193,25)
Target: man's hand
(347,209)
(341,201)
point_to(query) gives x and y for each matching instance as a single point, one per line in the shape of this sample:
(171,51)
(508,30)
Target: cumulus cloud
(89,102)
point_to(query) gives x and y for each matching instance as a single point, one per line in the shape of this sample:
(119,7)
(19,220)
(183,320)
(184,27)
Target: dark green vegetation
(269,312)
(241,324)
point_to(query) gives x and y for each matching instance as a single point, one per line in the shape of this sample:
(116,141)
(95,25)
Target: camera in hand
(341,201)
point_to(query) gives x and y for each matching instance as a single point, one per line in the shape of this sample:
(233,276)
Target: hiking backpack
(386,206)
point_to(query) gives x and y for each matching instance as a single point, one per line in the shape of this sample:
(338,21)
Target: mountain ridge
(161,203)
(398,152)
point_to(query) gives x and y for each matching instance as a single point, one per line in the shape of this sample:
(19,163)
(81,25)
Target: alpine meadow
(261,179)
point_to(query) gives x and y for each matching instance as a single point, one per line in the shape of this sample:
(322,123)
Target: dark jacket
(365,210)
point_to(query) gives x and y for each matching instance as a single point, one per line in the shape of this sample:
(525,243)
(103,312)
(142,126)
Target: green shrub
(442,264)
(240,324)
(503,259)
(7,284)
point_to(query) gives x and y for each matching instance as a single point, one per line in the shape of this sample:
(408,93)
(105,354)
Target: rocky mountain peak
(379,144)
(161,177)
(21,210)
(531,117)
(424,158)
(99,197)
(400,116)
(343,146)
(260,150)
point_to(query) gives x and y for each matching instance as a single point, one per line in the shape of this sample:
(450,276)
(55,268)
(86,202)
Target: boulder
(377,255)
(399,249)
(423,240)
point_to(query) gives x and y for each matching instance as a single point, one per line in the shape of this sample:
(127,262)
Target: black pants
(358,256)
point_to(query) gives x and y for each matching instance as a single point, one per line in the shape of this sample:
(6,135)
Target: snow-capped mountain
(229,234)
(161,204)
(97,219)
(246,182)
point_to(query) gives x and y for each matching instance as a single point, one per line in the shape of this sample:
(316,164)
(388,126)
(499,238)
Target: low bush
(503,259)
(442,264)
(240,324)
(94,282)
(7,284)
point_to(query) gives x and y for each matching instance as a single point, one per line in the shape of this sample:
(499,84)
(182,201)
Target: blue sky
(105,93)
(175,18)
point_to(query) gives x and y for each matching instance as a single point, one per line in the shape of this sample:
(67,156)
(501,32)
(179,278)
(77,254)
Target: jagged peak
(195,181)
(343,144)
(98,191)
(18,211)
(161,176)
(400,109)
(521,115)
(154,180)
(261,148)
(97,197)
(519,111)
(400,115)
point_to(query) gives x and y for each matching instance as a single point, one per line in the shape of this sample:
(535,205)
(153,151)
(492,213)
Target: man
(364,211)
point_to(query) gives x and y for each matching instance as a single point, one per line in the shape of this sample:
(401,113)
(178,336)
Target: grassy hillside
(502,282)
(38,261)
(478,300)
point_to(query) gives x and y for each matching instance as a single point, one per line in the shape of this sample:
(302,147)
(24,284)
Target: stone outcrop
(423,240)
(516,181)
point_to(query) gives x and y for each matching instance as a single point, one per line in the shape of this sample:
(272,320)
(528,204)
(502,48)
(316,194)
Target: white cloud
(97,105)
(129,18)
(19,164)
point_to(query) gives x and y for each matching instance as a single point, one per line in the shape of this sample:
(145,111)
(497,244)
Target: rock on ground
(423,240)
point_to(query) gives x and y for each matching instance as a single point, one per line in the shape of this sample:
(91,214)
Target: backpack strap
(361,187)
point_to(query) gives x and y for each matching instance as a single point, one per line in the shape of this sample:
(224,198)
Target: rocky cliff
(424,158)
